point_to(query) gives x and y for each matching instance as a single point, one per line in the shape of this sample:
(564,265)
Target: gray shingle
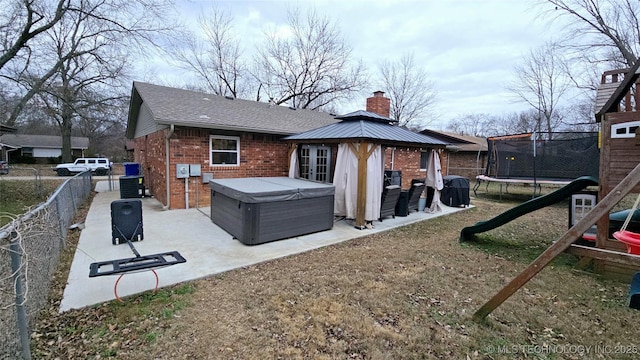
(196,109)
(43,141)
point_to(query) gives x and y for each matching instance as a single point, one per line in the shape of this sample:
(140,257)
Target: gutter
(167,169)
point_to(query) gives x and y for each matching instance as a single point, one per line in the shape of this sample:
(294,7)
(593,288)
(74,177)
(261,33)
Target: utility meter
(182,171)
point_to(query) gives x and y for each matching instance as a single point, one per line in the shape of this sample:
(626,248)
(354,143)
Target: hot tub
(259,210)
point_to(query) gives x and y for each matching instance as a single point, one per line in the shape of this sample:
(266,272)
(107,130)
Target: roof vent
(229,97)
(206,98)
(204,117)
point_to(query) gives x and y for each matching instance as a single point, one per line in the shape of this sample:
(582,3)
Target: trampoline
(540,158)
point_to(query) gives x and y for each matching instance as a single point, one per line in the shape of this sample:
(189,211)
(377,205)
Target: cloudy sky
(468,47)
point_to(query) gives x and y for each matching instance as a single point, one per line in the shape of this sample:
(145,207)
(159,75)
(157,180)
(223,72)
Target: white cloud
(469,47)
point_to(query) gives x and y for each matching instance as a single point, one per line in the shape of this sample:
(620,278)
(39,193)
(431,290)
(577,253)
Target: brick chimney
(379,104)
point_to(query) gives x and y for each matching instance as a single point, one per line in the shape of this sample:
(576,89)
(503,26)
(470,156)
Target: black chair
(414,196)
(390,195)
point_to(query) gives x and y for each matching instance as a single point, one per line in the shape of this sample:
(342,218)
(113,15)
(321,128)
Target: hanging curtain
(345,181)
(375,179)
(434,180)
(294,169)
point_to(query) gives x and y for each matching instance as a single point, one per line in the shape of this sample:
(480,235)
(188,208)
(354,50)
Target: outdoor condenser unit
(131,187)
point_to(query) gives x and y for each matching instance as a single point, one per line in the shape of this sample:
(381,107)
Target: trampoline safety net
(566,156)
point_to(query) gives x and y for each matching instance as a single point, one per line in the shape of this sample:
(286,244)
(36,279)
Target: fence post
(61,222)
(23,325)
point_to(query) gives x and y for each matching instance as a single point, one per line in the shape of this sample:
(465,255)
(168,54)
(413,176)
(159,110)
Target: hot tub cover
(270,189)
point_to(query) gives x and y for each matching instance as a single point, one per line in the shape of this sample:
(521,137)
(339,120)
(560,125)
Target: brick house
(467,155)
(228,138)
(41,149)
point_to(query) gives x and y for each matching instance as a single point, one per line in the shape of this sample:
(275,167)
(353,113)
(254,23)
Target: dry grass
(404,294)
(18,196)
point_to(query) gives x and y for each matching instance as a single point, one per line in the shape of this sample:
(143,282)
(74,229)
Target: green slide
(526,207)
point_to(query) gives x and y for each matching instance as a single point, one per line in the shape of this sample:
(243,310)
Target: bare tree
(541,81)
(517,122)
(310,68)
(601,30)
(215,56)
(77,96)
(84,57)
(410,90)
(485,125)
(579,116)
(23,20)
(473,124)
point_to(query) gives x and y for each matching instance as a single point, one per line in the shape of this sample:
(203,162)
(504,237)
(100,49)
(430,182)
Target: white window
(625,130)
(424,160)
(224,150)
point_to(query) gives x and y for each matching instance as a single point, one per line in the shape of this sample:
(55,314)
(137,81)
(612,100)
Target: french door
(315,162)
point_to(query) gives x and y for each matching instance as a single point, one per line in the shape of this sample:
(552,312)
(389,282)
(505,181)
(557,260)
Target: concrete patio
(208,249)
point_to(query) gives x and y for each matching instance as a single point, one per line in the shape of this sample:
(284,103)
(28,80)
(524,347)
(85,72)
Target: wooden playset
(617,112)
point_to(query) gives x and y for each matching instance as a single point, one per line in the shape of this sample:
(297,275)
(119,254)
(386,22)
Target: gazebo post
(362,185)
(362,153)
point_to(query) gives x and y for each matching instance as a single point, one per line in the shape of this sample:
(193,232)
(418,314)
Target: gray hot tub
(259,210)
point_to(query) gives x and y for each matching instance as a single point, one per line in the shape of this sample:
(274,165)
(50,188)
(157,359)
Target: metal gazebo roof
(364,125)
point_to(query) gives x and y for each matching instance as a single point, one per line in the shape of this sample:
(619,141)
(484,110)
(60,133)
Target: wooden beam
(362,185)
(604,254)
(601,209)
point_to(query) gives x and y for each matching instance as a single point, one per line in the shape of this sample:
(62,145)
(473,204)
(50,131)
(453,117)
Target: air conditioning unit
(131,187)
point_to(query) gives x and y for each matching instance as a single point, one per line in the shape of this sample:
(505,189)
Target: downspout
(6,154)
(168,168)
(448,156)
(393,157)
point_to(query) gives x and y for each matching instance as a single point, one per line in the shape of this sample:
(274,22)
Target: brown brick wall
(466,164)
(407,160)
(150,153)
(260,155)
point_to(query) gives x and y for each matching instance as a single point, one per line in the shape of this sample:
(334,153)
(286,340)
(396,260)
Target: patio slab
(208,249)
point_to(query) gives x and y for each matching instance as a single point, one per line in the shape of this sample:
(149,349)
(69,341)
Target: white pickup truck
(100,166)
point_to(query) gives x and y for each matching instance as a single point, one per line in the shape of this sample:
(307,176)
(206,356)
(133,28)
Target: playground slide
(532,205)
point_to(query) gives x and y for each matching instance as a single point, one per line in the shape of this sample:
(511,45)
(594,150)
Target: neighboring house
(226,138)
(467,154)
(40,147)
(6,129)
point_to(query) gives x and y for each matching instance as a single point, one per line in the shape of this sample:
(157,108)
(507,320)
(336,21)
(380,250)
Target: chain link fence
(30,248)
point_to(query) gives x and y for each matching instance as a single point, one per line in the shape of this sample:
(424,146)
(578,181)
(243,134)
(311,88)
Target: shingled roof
(42,141)
(172,106)
(459,142)
(609,95)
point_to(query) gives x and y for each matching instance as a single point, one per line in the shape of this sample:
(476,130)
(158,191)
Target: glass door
(315,162)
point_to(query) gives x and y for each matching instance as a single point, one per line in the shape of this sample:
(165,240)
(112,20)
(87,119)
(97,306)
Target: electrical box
(182,171)
(194,170)
(206,177)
